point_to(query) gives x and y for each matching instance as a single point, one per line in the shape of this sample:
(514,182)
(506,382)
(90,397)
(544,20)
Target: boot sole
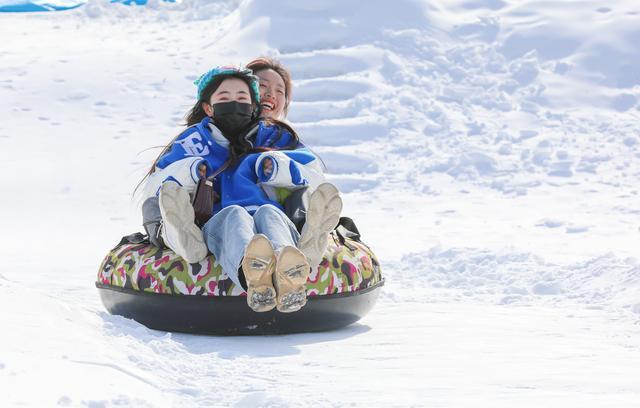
(181,234)
(258,266)
(323,214)
(292,272)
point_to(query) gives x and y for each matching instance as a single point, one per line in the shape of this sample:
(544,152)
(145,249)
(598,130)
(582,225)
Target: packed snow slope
(489,151)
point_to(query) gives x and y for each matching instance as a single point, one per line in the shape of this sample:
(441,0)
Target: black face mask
(232,117)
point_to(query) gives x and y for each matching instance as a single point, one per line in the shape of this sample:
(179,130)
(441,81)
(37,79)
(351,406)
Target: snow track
(441,354)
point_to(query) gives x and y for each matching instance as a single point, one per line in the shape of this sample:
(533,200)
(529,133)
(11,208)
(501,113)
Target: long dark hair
(197,113)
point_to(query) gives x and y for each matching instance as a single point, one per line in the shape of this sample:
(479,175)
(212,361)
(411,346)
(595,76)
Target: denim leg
(273,223)
(227,234)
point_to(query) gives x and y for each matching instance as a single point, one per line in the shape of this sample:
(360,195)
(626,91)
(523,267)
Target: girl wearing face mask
(249,234)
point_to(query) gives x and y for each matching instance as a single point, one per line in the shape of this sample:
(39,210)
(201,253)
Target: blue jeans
(228,233)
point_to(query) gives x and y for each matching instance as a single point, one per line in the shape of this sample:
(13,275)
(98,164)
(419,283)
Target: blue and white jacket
(245,184)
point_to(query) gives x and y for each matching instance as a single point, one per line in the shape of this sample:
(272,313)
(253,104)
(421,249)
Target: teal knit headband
(206,78)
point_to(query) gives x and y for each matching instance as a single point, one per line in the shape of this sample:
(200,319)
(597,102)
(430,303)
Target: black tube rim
(234,298)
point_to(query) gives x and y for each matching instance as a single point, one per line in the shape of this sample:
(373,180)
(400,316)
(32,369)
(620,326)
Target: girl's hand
(202,170)
(267,166)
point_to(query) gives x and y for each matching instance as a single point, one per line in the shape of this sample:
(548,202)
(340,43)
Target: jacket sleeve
(289,169)
(184,172)
(189,144)
(180,164)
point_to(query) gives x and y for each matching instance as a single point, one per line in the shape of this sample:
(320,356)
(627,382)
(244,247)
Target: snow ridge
(520,279)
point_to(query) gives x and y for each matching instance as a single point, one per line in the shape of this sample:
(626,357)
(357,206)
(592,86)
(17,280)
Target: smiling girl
(301,206)
(249,234)
(275,87)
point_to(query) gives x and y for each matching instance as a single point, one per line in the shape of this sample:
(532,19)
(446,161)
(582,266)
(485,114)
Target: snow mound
(517,278)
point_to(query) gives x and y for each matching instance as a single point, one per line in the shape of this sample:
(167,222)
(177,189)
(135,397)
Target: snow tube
(159,289)
(25,6)
(29,6)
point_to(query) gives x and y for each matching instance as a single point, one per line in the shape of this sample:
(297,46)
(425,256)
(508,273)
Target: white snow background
(488,150)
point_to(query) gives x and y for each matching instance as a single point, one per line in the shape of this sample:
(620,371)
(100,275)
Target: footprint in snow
(75,96)
(330,90)
(341,163)
(576,229)
(341,132)
(323,110)
(65,401)
(323,65)
(348,185)
(549,223)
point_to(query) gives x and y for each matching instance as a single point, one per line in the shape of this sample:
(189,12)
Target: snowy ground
(488,150)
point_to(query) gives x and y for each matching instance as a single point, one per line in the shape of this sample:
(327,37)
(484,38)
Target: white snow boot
(323,214)
(179,231)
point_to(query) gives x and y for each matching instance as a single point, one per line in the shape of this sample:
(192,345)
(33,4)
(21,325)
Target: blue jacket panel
(236,185)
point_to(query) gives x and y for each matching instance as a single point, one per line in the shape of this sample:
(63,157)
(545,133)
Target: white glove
(276,169)
(183,172)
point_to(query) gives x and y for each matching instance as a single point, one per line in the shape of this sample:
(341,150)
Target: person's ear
(208,109)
